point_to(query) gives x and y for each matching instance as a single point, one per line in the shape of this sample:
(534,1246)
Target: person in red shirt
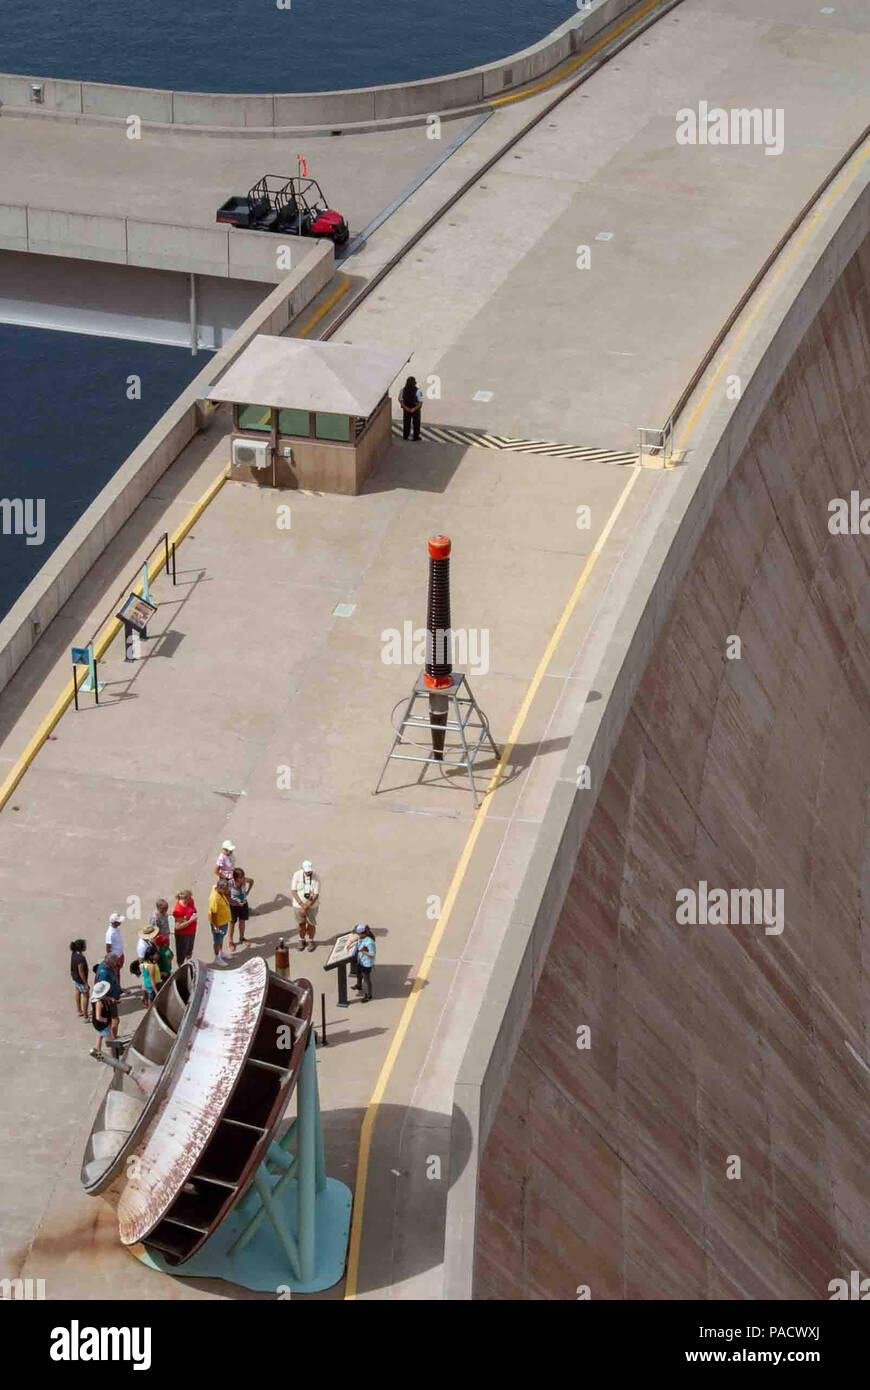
(184,913)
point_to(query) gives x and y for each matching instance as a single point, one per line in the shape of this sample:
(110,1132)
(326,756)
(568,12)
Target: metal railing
(139,583)
(657,442)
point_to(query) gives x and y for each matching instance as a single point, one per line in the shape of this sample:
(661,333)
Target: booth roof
(293,374)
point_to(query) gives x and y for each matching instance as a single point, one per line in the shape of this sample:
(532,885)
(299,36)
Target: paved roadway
(184,179)
(256,672)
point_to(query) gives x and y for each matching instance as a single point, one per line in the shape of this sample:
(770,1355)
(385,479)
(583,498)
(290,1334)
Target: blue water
(252,46)
(68,425)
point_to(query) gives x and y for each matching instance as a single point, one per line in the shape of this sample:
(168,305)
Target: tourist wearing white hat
(305,888)
(146,938)
(104,1015)
(226,861)
(114,939)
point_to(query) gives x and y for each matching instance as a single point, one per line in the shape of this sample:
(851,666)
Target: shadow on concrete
(88,703)
(168,643)
(339,1038)
(395,1129)
(272,905)
(421,467)
(456,778)
(391,981)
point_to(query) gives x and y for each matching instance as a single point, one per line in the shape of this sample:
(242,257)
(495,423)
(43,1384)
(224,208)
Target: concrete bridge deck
(259,674)
(69,190)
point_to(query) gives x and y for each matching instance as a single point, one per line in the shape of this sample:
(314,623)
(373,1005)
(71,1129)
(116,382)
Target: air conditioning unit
(252,453)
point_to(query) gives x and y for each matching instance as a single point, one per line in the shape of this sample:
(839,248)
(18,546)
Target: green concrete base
(262,1265)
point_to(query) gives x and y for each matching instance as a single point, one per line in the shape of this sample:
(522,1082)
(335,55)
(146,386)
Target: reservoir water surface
(255,46)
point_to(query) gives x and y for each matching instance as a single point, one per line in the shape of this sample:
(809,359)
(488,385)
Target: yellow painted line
(103,642)
(769,284)
(324,308)
(370,1116)
(578,62)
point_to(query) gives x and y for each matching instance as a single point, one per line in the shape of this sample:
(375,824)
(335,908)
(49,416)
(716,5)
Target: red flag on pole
(302,163)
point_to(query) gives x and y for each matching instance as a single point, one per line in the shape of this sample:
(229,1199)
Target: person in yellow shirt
(219,916)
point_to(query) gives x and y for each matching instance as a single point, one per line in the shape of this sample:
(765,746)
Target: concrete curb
(362,108)
(616,654)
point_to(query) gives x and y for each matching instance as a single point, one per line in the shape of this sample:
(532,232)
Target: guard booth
(309,414)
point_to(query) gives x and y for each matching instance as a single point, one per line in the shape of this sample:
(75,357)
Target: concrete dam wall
(612,1166)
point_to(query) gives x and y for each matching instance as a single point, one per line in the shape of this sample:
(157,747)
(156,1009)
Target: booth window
(255,417)
(296,422)
(332,427)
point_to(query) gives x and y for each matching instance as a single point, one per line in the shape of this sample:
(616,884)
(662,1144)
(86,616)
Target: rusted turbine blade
(179,1137)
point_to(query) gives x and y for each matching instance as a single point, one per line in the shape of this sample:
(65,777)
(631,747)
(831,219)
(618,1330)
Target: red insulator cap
(439,547)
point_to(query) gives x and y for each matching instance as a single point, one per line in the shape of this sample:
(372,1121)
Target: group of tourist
(228,911)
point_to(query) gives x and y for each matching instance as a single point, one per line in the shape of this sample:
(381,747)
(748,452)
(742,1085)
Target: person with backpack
(365,952)
(104,1015)
(148,968)
(411,401)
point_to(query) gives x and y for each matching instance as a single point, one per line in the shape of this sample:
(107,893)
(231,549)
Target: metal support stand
(341,976)
(131,641)
(292,1225)
(447,711)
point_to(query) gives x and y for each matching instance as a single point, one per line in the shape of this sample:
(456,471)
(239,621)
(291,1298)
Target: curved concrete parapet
(362,106)
(736,767)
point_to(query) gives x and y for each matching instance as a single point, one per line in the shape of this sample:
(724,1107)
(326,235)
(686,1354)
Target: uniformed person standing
(411,401)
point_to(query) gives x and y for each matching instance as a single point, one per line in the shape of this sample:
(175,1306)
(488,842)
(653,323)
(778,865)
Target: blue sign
(81,656)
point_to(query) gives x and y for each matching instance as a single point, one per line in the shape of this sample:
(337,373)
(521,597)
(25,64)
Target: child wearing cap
(164,957)
(364,957)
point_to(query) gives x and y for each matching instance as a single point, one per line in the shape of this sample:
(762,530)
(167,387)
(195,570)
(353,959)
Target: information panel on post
(137,612)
